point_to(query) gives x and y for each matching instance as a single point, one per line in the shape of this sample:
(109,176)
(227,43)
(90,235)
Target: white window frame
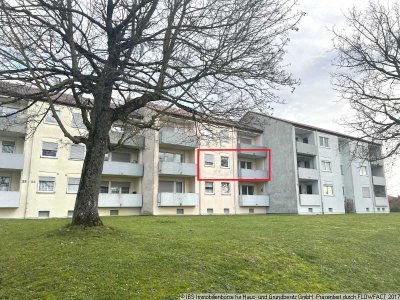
(325,142)
(325,163)
(205,188)
(229,162)
(331,188)
(45,156)
(246,162)
(50,111)
(46,192)
(205,160)
(362,173)
(363,188)
(230,188)
(68,190)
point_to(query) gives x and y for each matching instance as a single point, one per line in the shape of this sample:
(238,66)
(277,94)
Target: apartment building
(156,172)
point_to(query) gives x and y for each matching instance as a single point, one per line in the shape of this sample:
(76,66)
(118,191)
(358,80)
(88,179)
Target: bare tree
(369,74)
(113,57)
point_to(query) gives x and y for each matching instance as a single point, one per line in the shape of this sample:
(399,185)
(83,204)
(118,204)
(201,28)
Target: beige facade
(157,173)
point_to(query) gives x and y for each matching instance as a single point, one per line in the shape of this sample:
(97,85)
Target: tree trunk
(86,205)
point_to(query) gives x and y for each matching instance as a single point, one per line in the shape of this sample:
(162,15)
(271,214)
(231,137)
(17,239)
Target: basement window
(367,209)
(180,211)
(114,212)
(330,209)
(70,213)
(226,211)
(383,209)
(379,209)
(310,209)
(210,211)
(251,210)
(44,214)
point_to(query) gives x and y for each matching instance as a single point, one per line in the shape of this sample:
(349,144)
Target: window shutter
(77,152)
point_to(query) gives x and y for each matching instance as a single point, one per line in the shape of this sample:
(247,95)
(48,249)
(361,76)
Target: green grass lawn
(161,257)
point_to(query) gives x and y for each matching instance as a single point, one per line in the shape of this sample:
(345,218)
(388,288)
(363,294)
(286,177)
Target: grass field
(161,257)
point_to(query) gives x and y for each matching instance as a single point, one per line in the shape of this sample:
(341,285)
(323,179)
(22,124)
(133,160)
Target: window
(180,211)
(328,190)
(245,164)
(121,156)
(70,213)
(170,157)
(224,162)
(43,214)
(170,186)
(5,183)
(305,140)
(309,189)
(77,121)
(120,187)
(310,209)
(226,211)
(366,193)
(363,171)
(326,166)
(379,190)
(251,210)
(209,160)
(307,164)
(73,185)
(341,170)
(367,209)
(114,212)
(49,118)
(49,149)
(7,147)
(378,208)
(210,210)
(244,140)
(47,184)
(6,111)
(383,209)
(104,186)
(247,190)
(330,209)
(225,188)
(77,152)
(209,187)
(324,142)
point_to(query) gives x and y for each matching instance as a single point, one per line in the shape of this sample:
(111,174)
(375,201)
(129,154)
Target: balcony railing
(133,142)
(175,168)
(12,161)
(9,199)
(178,199)
(251,154)
(15,125)
(304,148)
(120,200)
(310,199)
(381,201)
(254,200)
(122,168)
(178,139)
(253,174)
(378,180)
(311,174)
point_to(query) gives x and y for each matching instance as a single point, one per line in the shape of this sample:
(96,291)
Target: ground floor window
(47,184)
(5,183)
(247,189)
(170,186)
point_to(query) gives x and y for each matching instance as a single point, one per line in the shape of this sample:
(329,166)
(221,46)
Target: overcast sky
(310,54)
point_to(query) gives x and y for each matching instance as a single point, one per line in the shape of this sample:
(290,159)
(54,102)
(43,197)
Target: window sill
(51,157)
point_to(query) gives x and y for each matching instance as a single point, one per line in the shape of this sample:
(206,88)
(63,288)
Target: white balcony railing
(178,199)
(9,199)
(254,200)
(304,148)
(311,174)
(175,168)
(310,199)
(120,200)
(122,168)
(12,161)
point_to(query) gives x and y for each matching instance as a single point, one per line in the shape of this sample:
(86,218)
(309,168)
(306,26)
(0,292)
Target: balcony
(253,174)
(304,148)
(132,142)
(175,168)
(11,161)
(15,125)
(381,201)
(311,174)
(9,199)
(120,200)
(178,199)
(254,200)
(251,154)
(178,140)
(122,168)
(310,199)
(378,180)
